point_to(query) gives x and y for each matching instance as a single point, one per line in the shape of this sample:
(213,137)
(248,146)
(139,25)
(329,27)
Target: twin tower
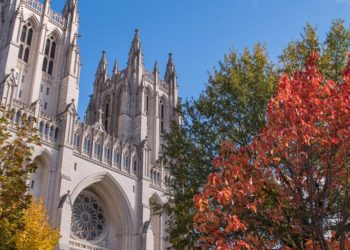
(100,177)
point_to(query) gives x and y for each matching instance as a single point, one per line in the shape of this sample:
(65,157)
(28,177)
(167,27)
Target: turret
(115,70)
(170,73)
(71,14)
(171,79)
(101,74)
(135,62)
(156,72)
(47,7)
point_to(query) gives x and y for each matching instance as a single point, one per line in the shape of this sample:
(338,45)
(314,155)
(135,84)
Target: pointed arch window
(26,40)
(49,55)
(125,161)
(107,153)
(107,114)
(146,102)
(98,149)
(76,140)
(134,166)
(117,158)
(161,115)
(86,145)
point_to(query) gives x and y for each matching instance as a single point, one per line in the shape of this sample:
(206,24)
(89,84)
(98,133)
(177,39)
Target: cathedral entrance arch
(40,178)
(102,217)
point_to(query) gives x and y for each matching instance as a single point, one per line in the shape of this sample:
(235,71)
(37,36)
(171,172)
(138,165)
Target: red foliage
(289,188)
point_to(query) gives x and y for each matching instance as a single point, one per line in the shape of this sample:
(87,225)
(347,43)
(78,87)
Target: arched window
(41,127)
(161,115)
(26,40)
(98,149)
(46,129)
(107,113)
(76,141)
(134,166)
(86,145)
(107,153)
(146,103)
(152,177)
(56,134)
(18,116)
(158,178)
(125,161)
(52,130)
(50,54)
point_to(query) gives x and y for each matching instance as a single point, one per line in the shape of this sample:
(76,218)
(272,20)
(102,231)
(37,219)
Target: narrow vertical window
(106,114)
(161,118)
(26,40)
(50,53)
(146,103)
(26,55)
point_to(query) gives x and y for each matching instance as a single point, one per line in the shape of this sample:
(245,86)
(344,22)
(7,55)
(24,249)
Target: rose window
(88,218)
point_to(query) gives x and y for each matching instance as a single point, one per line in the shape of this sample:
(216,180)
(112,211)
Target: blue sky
(197,32)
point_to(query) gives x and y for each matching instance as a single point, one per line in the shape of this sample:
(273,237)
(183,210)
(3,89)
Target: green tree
(232,107)
(15,166)
(333,51)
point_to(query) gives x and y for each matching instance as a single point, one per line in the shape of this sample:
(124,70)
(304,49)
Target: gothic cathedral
(99,178)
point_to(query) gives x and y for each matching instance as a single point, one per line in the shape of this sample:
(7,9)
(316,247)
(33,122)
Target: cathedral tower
(99,177)
(39,47)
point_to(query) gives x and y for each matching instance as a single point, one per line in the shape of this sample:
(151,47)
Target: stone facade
(99,178)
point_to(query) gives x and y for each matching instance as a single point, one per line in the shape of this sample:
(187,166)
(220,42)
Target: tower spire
(102,68)
(155,69)
(135,62)
(156,72)
(136,43)
(115,68)
(170,72)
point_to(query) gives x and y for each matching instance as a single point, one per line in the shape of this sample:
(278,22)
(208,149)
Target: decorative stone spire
(155,69)
(115,71)
(136,43)
(70,5)
(47,6)
(101,73)
(70,11)
(170,72)
(102,67)
(135,51)
(156,72)
(115,68)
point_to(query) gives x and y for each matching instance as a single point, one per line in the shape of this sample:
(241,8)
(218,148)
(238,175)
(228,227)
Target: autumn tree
(232,107)
(293,179)
(38,233)
(15,166)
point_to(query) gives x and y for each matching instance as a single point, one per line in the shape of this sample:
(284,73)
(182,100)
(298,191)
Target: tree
(332,51)
(290,187)
(38,233)
(15,166)
(232,107)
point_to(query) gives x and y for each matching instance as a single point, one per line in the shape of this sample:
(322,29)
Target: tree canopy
(233,108)
(290,187)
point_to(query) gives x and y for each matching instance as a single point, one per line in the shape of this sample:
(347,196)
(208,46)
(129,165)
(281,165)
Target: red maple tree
(290,188)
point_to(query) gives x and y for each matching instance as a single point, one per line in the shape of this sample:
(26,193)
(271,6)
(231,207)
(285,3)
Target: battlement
(38,7)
